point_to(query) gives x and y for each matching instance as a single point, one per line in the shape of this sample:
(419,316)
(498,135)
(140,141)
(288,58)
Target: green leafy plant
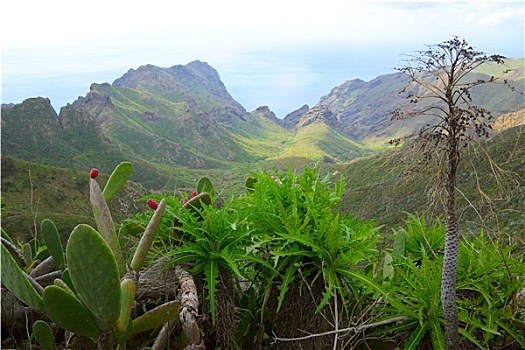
(489,277)
(296,228)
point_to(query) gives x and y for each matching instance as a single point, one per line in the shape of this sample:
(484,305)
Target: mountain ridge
(183,119)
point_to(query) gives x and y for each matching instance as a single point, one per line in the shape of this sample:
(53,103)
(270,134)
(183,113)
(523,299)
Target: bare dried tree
(440,89)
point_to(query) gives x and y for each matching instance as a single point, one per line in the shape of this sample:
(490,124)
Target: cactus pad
(117,180)
(67,280)
(204,185)
(14,279)
(44,335)
(156,317)
(68,313)
(105,222)
(197,201)
(53,242)
(128,289)
(147,238)
(94,273)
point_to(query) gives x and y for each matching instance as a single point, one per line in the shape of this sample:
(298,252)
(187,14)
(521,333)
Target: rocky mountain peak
(195,79)
(318,113)
(267,113)
(293,118)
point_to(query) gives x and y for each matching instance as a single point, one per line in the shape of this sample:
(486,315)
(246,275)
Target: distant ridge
(180,122)
(362,110)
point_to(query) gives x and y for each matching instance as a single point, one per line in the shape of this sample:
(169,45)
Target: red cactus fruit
(94,173)
(152,204)
(184,201)
(194,194)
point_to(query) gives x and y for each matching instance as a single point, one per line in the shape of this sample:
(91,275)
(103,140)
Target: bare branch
(344,330)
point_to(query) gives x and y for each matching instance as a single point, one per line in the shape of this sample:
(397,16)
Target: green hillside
(33,192)
(318,141)
(378,187)
(386,186)
(174,124)
(179,123)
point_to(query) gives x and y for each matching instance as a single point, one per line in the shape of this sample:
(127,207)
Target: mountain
(362,110)
(175,124)
(178,123)
(317,137)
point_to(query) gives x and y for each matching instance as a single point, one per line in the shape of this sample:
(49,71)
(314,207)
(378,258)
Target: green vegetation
(318,141)
(270,264)
(94,295)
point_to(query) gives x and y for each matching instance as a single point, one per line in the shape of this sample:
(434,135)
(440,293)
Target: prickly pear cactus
(66,311)
(127,298)
(94,273)
(197,201)
(15,280)
(117,180)
(156,317)
(147,238)
(44,335)
(53,243)
(105,223)
(204,185)
(66,278)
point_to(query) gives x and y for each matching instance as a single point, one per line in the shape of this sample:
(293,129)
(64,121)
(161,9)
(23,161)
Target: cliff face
(362,110)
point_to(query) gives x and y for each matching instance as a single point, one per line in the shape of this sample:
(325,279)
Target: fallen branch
(157,282)
(344,330)
(48,278)
(189,309)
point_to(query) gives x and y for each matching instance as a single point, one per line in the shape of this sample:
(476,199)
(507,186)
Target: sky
(277,53)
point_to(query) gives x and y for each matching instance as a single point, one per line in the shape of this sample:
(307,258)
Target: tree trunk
(226,326)
(189,309)
(450,261)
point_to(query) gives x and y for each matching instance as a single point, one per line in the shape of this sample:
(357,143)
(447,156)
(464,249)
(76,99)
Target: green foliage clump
(273,262)
(490,275)
(284,231)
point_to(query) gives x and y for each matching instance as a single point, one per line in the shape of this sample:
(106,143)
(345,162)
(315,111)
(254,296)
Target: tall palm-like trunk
(442,74)
(450,261)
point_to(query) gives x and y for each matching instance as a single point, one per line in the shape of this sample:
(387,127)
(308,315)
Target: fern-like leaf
(287,279)
(211,274)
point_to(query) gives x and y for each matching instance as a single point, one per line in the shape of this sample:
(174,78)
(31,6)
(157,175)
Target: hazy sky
(282,54)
